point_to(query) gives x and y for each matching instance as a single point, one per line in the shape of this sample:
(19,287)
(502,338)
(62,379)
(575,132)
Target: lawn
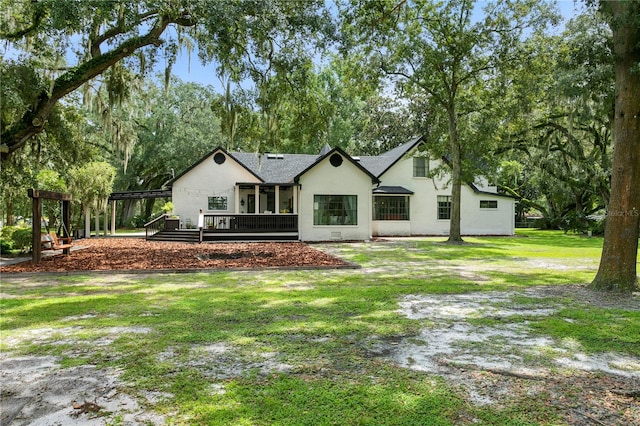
(369,346)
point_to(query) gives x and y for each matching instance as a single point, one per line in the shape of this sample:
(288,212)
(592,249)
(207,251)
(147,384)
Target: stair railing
(155,226)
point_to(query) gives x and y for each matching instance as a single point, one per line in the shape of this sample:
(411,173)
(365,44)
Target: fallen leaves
(138,254)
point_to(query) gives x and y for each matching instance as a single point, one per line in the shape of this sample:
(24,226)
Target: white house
(333,196)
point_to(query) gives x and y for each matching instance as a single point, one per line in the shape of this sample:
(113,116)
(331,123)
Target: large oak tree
(70,43)
(449,54)
(617,271)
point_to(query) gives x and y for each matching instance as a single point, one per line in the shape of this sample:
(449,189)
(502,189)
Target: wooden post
(66,221)
(106,218)
(295,199)
(113,218)
(256,191)
(36,209)
(96,220)
(87,222)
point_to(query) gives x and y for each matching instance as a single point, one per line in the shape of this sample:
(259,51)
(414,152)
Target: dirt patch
(37,391)
(507,360)
(114,254)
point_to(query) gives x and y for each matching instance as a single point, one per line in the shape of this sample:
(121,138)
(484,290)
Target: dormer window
(420,166)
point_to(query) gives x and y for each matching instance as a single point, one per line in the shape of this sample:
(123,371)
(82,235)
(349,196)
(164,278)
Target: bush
(6,245)
(137,221)
(7,231)
(597,225)
(22,239)
(575,222)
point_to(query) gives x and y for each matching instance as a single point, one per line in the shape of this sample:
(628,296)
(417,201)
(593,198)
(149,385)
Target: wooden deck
(241,227)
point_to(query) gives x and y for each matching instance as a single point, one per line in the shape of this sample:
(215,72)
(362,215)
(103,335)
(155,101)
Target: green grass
(595,329)
(172,331)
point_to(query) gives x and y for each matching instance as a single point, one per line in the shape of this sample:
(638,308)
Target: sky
(191,70)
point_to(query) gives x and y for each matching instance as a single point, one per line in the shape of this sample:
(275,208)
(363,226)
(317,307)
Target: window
(219,158)
(391,208)
(444,207)
(335,209)
(420,166)
(488,204)
(217,203)
(335,160)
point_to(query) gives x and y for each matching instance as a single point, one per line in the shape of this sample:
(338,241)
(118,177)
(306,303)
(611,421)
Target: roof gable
(380,164)
(209,155)
(328,154)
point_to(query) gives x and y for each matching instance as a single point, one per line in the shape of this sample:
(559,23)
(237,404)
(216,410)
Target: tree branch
(37,19)
(33,120)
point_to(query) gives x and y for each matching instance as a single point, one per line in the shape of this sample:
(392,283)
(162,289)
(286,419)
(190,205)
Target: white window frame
(344,207)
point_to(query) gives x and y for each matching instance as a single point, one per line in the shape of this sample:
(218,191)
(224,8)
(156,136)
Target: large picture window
(335,209)
(217,203)
(391,208)
(444,207)
(420,166)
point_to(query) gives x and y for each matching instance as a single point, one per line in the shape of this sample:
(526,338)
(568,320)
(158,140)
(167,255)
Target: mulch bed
(101,254)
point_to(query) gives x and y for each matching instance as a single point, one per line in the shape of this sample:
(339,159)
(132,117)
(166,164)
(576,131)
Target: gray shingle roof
(281,168)
(397,190)
(379,164)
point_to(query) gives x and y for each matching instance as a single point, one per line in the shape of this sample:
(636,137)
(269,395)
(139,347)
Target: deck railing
(155,226)
(251,223)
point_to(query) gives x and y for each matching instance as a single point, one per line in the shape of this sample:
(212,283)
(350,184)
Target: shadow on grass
(538,278)
(340,400)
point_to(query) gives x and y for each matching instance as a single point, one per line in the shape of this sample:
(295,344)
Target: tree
(44,33)
(444,54)
(173,129)
(617,271)
(50,180)
(91,186)
(560,114)
(64,143)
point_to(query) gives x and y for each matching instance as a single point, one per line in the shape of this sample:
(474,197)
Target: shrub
(22,239)
(6,245)
(597,225)
(7,231)
(137,221)
(574,222)
(167,207)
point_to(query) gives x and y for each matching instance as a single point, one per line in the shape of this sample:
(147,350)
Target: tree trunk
(147,207)
(10,219)
(617,270)
(455,235)
(128,211)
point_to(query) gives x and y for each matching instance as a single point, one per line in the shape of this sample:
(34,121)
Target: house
(333,196)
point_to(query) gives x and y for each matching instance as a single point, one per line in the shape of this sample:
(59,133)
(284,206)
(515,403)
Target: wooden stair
(182,236)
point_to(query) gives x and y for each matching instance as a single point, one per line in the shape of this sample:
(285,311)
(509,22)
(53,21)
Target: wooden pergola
(134,195)
(37,196)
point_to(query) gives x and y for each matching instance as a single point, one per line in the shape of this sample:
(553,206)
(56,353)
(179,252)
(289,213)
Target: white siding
(424,206)
(324,179)
(207,179)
